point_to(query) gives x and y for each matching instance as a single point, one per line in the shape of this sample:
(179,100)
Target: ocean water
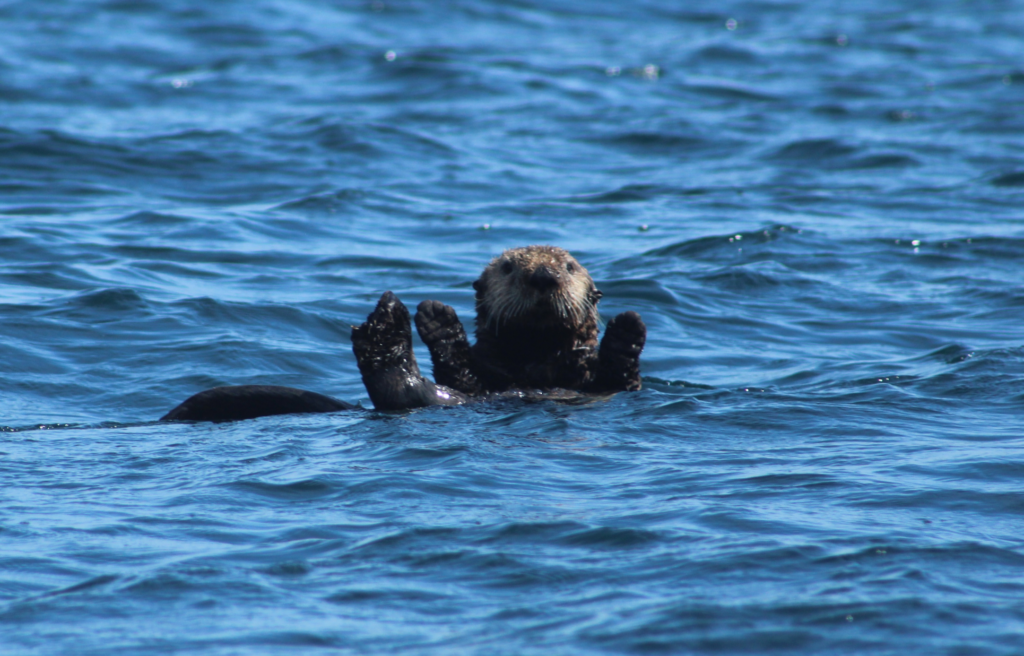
(817,207)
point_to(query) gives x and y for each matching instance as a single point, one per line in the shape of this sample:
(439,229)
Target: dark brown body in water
(536,329)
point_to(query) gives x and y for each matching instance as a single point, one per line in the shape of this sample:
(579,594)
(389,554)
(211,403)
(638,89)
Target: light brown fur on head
(537,287)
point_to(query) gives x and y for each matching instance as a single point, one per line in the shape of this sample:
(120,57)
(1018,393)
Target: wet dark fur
(536,328)
(235,402)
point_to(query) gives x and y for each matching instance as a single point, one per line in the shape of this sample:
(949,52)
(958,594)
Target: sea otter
(536,329)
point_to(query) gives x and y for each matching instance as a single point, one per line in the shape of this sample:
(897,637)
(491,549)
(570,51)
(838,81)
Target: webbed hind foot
(383,349)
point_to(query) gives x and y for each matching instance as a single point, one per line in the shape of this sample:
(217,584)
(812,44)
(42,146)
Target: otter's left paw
(625,334)
(437,322)
(440,329)
(619,355)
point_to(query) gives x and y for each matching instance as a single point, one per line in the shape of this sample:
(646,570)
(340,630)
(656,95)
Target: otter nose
(543,279)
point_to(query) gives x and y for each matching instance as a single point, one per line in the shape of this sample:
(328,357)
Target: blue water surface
(815,206)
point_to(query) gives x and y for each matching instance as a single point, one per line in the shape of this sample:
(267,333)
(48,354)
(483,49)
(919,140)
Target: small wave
(306,489)
(632,193)
(333,55)
(657,143)
(729,90)
(715,246)
(1014,179)
(437,72)
(372,262)
(784,482)
(330,202)
(885,161)
(951,354)
(55,151)
(980,374)
(147,219)
(207,256)
(613,538)
(624,290)
(94,582)
(110,300)
(755,277)
(195,136)
(814,151)
(721,53)
(983,250)
(337,137)
(386,596)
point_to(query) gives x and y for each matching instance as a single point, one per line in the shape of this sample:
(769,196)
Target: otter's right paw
(440,329)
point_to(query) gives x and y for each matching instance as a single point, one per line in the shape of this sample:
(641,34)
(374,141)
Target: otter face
(535,286)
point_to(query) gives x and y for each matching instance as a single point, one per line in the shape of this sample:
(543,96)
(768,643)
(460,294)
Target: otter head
(536,288)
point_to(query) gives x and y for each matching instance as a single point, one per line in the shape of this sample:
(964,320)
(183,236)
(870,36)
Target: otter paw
(437,322)
(440,329)
(626,334)
(619,354)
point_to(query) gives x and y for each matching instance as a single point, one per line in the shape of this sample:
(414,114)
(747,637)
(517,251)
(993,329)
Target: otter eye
(506,267)
(570,267)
